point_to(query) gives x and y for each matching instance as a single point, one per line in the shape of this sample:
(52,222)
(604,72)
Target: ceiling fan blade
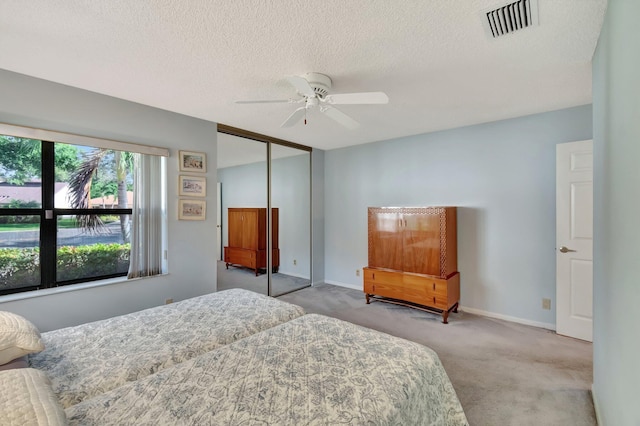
(357,98)
(301,85)
(265,101)
(294,117)
(340,117)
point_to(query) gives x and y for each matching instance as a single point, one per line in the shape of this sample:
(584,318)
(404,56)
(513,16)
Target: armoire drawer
(383,277)
(240,257)
(421,289)
(430,285)
(383,289)
(383,283)
(438,301)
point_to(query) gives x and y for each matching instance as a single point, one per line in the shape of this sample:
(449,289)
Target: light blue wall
(242,186)
(317,216)
(37,103)
(501,175)
(246,186)
(291,193)
(616,112)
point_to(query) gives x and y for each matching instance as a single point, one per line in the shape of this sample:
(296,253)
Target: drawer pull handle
(373,276)
(434,286)
(434,300)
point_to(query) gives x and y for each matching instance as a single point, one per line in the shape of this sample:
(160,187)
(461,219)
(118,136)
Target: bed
(310,370)
(90,359)
(229,358)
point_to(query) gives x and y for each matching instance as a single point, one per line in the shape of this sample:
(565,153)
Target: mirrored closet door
(242,182)
(291,196)
(262,252)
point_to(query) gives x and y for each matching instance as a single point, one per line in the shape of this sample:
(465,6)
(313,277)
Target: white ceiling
(432,57)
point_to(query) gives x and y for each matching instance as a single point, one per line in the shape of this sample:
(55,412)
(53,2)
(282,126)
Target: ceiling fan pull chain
(305,117)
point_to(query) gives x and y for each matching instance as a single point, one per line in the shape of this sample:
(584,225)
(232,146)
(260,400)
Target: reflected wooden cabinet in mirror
(247,238)
(413,258)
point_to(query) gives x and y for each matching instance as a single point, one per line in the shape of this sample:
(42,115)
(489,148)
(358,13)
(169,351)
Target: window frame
(48,226)
(44,136)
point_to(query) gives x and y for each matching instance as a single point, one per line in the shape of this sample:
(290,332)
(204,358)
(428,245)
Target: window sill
(67,288)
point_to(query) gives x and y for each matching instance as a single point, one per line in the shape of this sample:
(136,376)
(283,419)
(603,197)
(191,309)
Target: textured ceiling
(432,57)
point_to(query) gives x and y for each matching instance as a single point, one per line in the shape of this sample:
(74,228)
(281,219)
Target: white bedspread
(313,370)
(93,358)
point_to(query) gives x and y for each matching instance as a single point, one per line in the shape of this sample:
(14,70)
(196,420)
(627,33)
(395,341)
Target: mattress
(313,370)
(90,359)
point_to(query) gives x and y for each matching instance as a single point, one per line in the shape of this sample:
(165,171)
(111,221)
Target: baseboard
(470,310)
(292,274)
(508,318)
(339,284)
(595,406)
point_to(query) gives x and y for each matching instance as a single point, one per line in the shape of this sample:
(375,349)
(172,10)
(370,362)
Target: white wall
(33,102)
(501,175)
(616,112)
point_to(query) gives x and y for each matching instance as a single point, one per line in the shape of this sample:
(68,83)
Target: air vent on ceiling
(511,17)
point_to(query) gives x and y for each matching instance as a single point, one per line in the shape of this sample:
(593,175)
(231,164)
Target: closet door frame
(269,140)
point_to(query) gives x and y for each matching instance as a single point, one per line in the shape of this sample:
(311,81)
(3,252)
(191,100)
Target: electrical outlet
(546,304)
(167,301)
(295,262)
(357,272)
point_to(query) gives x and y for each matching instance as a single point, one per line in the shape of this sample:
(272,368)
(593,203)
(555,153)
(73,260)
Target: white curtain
(147,220)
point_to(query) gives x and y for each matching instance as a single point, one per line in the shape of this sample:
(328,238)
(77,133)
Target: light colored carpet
(238,277)
(504,373)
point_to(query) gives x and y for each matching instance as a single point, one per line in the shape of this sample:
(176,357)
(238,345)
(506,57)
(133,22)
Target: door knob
(564,249)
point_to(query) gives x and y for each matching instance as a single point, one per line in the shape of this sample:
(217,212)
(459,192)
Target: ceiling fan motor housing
(319,82)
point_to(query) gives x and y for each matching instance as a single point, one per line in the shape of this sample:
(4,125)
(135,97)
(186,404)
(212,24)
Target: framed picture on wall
(192,186)
(191,209)
(192,161)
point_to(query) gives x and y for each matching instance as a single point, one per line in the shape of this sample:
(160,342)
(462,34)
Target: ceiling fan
(314,89)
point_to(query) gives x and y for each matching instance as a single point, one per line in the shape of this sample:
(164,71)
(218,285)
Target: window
(66,213)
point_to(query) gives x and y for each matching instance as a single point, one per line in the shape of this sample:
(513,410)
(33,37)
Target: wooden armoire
(413,258)
(247,239)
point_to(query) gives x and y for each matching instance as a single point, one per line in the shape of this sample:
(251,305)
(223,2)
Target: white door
(574,239)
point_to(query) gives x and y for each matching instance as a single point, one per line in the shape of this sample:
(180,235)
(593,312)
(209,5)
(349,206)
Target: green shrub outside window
(20,267)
